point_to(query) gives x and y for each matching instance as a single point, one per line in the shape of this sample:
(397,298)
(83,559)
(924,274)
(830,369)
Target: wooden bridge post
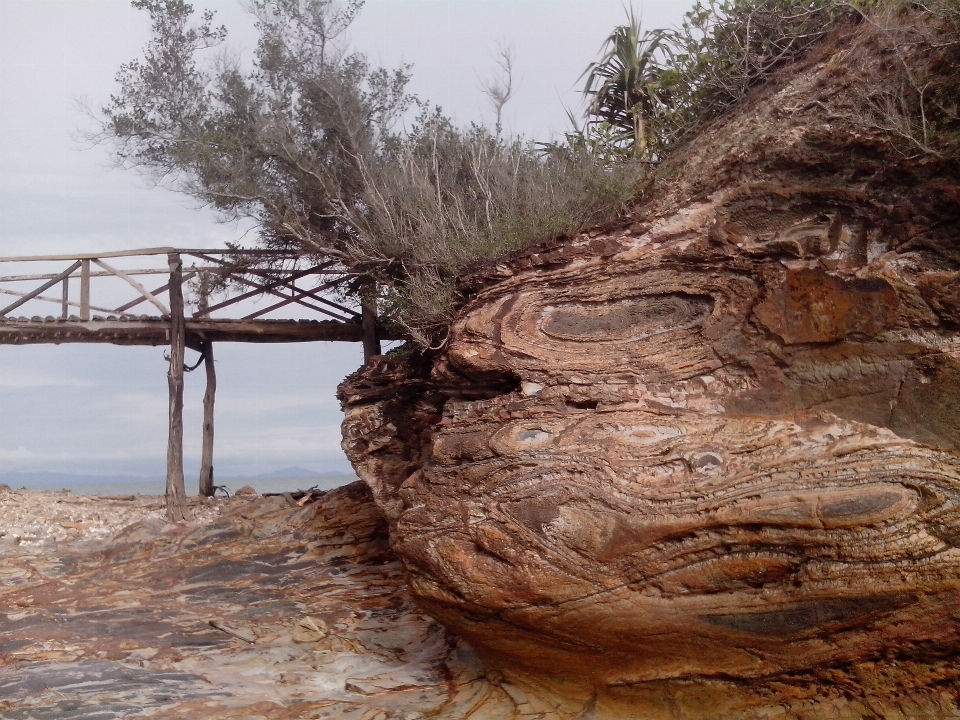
(368,320)
(85,289)
(175,493)
(65,299)
(209,396)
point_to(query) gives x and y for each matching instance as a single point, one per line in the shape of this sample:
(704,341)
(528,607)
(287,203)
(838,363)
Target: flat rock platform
(263,607)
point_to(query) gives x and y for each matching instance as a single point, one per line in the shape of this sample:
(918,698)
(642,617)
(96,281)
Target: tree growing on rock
(305,143)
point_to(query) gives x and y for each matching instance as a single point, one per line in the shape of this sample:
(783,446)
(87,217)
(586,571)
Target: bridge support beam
(209,397)
(368,321)
(175,492)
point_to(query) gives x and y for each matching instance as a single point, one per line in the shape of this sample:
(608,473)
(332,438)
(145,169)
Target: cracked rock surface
(257,608)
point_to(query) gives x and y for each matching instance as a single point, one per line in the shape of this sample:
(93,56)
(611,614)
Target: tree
(624,85)
(304,144)
(282,144)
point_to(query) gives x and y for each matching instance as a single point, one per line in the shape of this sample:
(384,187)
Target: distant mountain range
(294,471)
(52,479)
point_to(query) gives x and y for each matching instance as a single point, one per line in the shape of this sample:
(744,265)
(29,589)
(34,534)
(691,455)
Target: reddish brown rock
(705,463)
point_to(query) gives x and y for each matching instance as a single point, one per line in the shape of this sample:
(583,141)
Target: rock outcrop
(704,462)
(259,608)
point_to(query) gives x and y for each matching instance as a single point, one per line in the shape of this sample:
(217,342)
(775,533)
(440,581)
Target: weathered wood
(85,289)
(368,310)
(175,492)
(146,251)
(88,256)
(312,293)
(93,274)
(162,271)
(147,295)
(59,301)
(209,398)
(156,291)
(65,299)
(153,331)
(260,289)
(34,293)
(297,293)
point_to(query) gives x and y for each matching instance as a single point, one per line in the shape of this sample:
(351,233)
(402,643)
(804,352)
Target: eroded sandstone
(703,462)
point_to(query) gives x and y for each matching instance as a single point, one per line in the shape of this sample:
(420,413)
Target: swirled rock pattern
(704,462)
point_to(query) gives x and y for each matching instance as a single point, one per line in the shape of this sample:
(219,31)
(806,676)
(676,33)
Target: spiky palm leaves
(624,86)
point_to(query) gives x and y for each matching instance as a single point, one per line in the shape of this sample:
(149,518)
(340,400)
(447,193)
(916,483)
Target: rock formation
(704,462)
(259,608)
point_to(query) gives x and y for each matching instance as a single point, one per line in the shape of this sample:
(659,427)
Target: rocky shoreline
(35,520)
(259,607)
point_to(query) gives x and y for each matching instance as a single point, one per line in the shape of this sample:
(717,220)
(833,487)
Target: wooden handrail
(147,251)
(164,271)
(46,286)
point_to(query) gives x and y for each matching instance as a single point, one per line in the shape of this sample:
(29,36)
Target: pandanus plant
(624,85)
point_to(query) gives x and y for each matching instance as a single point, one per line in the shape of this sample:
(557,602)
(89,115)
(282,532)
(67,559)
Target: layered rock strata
(259,608)
(704,462)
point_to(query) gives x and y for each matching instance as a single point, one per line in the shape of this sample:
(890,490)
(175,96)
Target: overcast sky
(101,409)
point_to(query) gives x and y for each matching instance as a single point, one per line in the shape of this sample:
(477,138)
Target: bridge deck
(151,330)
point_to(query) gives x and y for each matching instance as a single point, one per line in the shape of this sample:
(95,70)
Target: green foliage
(303,144)
(279,144)
(912,97)
(625,88)
(726,48)
(447,199)
(652,89)
(655,87)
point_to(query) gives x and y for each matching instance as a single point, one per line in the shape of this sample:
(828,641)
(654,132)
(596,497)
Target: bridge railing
(242,284)
(216,281)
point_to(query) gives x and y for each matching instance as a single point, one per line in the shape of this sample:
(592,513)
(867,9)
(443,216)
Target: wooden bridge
(217,297)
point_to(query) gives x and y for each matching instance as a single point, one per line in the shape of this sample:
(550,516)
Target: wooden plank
(157,291)
(70,303)
(93,274)
(260,289)
(312,293)
(292,299)
(88,256)
(209,399)
(34,293)
(164,271)
(84,289)
(149,251)
(154,331)
(136,286)
(277,293)
(65,298)
(175,492)
(253,252)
